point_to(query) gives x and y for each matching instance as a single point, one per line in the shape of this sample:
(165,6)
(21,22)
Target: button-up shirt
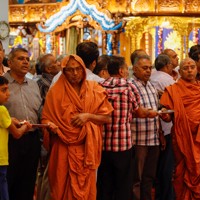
(24,100)
(125,99)
(145,130)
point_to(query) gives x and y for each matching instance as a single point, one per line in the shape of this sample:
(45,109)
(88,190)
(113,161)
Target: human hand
(27,126)
(164,116)
(15,121)
(52,127)
(80,119)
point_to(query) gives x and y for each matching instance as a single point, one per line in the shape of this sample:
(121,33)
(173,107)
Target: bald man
(184,98)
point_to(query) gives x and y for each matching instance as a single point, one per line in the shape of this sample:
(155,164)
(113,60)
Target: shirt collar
(12,80)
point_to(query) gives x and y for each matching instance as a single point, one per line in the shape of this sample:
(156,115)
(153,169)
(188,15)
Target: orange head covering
(61,105)
(75,57)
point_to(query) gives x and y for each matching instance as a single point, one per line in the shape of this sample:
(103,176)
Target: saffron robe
(75,153)
(184,98)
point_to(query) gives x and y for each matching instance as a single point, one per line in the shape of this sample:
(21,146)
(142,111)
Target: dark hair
(114,64)
(88,51)
(195,55)
(3,80)
(161,61)
(193,49)
(137,53)
(14,51)
(101,63)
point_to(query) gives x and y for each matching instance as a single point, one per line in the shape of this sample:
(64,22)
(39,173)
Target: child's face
(4,93)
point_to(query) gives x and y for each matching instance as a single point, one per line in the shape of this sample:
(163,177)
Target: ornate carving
(192,6)
(31,13)
(142,5)
(169,5)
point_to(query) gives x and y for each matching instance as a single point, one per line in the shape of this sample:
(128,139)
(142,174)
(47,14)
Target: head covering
(75,57)
(75,151)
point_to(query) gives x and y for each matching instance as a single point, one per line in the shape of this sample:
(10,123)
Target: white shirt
(160,80)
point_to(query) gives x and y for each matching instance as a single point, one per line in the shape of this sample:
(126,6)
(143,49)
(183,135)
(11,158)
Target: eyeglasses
(72,70)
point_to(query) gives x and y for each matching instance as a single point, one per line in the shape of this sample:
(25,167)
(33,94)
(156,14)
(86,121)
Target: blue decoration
(20,1)
(109,44)
(48,43)
(87,9)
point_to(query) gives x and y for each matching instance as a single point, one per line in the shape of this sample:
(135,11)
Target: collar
(12,80)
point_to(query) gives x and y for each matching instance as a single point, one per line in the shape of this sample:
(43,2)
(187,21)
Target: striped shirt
(145,130)
(124,98)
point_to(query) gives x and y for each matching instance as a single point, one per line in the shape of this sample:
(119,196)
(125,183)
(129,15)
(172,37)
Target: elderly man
(75,115)
(145,132)
(184,98)
(114,173)
(174,61)
(23,103)
(49,69)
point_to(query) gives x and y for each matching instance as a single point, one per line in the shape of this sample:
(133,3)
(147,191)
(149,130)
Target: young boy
(6,123)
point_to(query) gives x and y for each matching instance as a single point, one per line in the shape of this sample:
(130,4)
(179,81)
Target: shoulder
(3,109)
(5,119)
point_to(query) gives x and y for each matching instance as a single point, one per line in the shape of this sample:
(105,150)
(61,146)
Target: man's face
(19,64)
(188,70)
(53,67)
(4,93)
(142,70)
(73,72)
(174,58)
(1,54)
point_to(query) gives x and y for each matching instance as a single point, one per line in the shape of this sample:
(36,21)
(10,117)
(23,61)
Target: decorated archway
(78,21)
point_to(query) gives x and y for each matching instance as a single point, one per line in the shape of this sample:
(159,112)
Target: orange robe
(184,99)
(75,153)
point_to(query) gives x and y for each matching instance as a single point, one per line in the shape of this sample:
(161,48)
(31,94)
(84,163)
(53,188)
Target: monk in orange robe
(184,98)
(75,110)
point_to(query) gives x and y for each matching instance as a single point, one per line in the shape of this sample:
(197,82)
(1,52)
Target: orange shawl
(75,152)
(184,98)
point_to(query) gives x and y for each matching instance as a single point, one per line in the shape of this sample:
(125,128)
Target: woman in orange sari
(75,110)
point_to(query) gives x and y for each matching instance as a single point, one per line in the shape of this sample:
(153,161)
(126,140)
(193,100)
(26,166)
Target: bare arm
(145,113)
(16,131)
(82,118)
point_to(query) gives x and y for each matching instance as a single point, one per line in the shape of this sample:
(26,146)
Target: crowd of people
(83,128)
